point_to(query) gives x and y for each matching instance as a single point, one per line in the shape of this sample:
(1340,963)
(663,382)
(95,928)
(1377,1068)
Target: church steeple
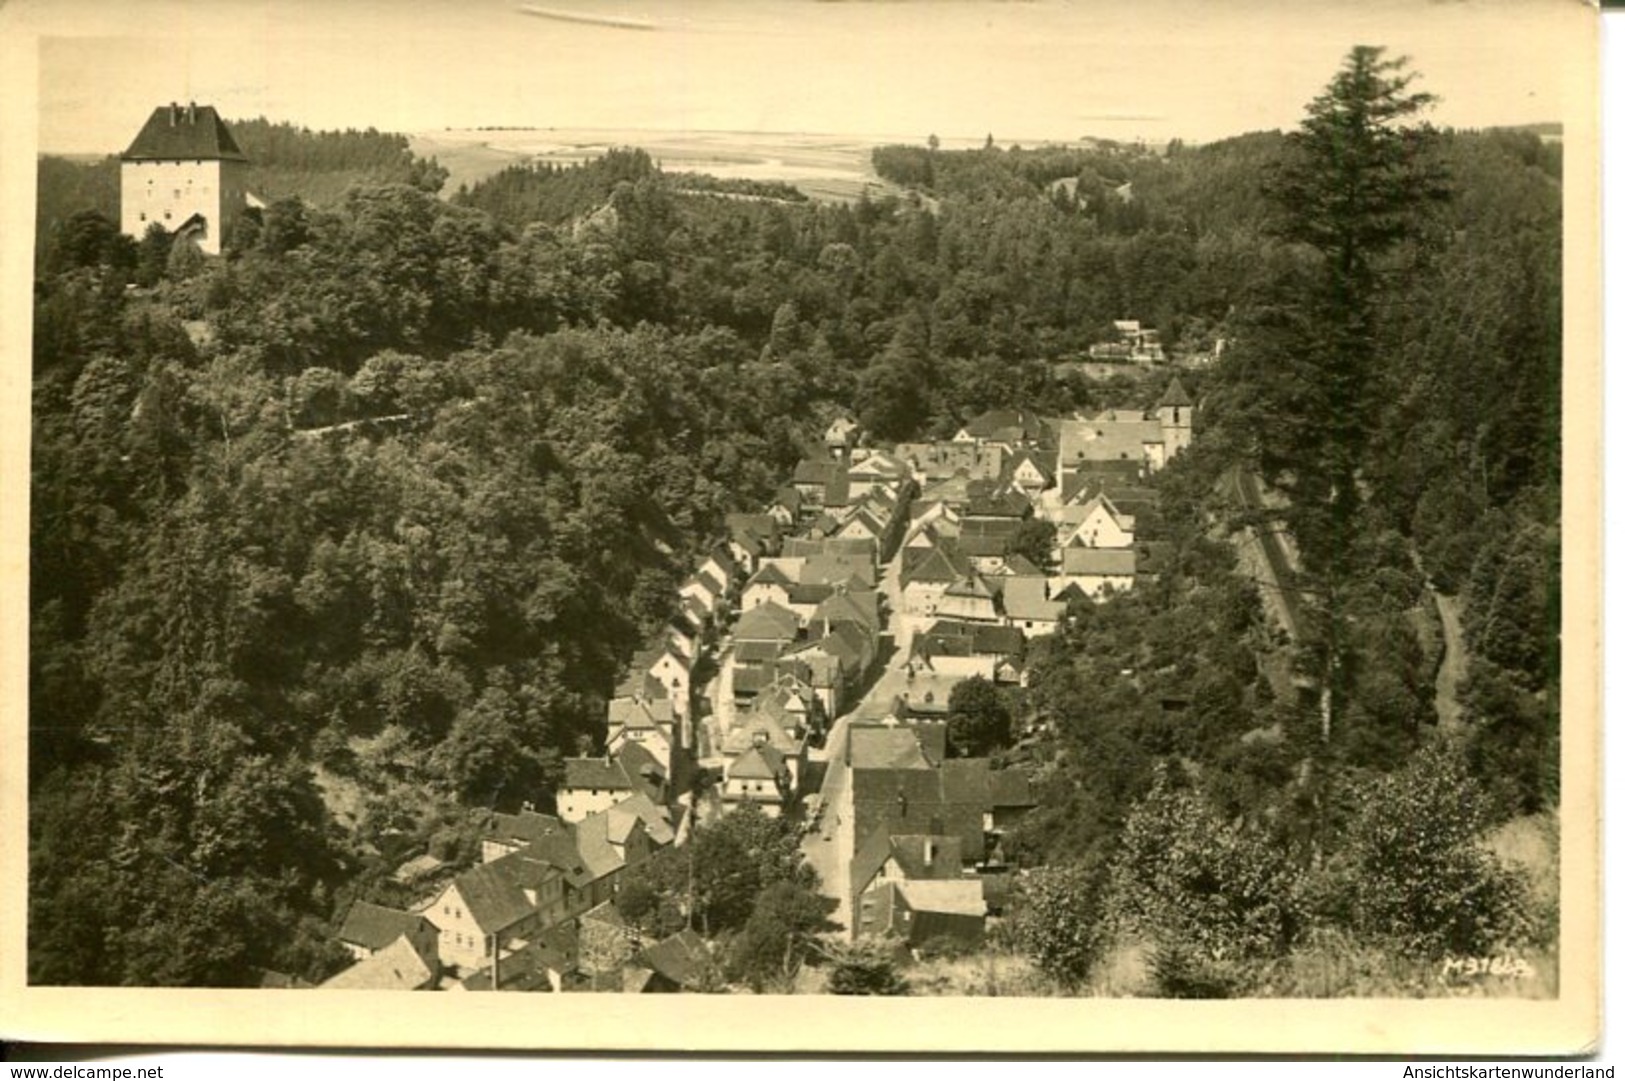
(1174,413)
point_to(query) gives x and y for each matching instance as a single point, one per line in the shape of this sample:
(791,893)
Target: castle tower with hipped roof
(185,172)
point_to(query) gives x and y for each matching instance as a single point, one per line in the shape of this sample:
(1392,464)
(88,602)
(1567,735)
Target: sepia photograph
(1080,520)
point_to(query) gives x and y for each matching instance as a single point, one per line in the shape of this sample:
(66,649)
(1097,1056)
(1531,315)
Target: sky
(1022,71)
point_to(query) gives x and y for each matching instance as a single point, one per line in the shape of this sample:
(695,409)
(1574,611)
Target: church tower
(185,172)
(1174,414)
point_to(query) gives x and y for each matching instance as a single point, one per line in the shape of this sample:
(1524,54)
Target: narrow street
(828,845)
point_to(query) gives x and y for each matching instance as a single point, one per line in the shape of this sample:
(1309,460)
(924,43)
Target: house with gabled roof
(759,775)
(752,538)
(927,573)
(771,582)
(933,462)
(706,590)
(544,964)
(720,566)
(399,966)
(596,784)
(1028,606)
(1096,524)
(651,724)
(767,622)
(877,470)
(969,598)
(888,857)
(960,648)
(491,904)
(1011,429)
(369,928)
(1030,471)
(846,604)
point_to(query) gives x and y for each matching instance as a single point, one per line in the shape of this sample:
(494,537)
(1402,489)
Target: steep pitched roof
(942,562)
(680,958)
(493,894)
(758,764)
(772,731)
(770,622)
(771,573)
(373,926)
(396,967)
(927,855)
(656,820)
(592,841)
(971,585)
(1033,461)
(851,606)
(1175,394)
(190,132)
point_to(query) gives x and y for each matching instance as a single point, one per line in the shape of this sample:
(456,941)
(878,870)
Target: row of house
(925,831)
(807,636)
(537,875)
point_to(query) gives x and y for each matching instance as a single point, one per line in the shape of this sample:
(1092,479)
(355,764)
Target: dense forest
(343,537)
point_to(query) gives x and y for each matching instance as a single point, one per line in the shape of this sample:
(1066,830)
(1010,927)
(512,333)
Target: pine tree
(1356,185)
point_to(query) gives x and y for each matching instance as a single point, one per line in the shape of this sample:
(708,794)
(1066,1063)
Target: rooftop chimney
(174,113)
(191,112)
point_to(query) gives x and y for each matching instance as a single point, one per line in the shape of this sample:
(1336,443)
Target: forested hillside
(345,536)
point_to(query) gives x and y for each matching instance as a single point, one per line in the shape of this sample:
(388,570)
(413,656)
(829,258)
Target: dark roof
(757,652)
(374,926)
(910,850)
(770,622)
(1011,788)
(942,562)
(816,471)
(595,773)
(813,593)
(960,638)
(770,574)
(1175,394)
(680,958)
(1008,425)
(524,827)
(493,892)
(184,132)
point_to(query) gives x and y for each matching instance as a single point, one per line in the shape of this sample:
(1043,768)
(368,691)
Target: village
(806,672)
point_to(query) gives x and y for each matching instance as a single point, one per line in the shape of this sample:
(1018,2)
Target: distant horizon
(890,138)
(1074,69)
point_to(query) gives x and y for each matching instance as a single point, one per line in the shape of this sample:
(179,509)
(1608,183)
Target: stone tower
(185,172)
(1174,414)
